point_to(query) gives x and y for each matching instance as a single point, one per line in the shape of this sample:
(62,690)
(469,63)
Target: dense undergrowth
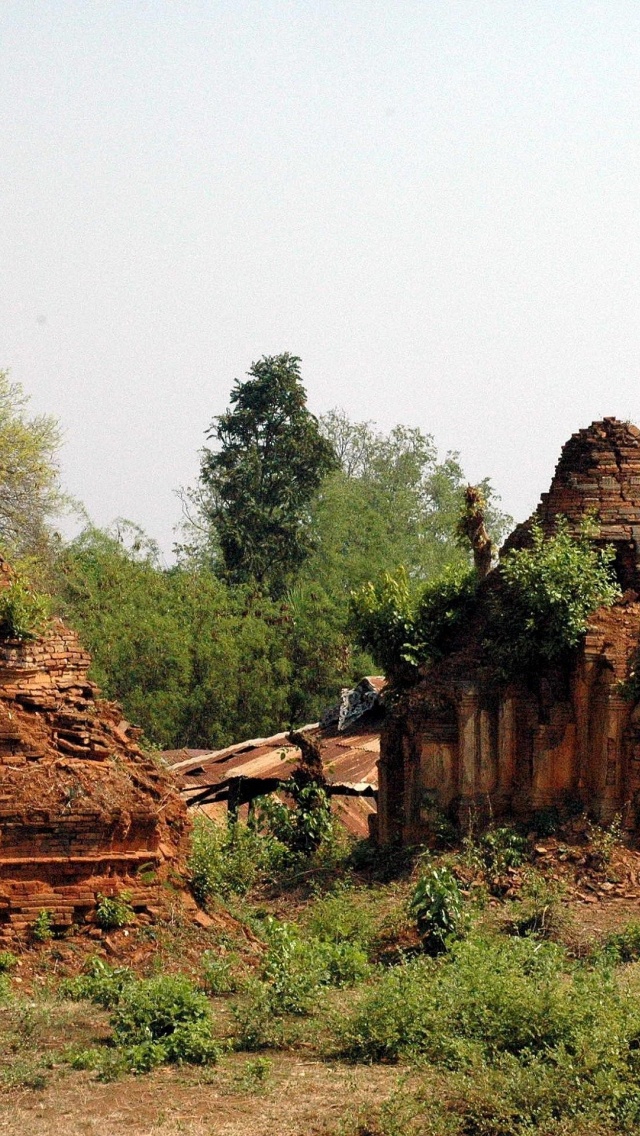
(475,992)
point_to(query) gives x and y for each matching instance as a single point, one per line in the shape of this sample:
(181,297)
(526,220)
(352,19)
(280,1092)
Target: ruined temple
(83,811)
(565,739)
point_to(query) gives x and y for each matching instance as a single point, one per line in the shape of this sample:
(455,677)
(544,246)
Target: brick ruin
(566,740)
(83,812)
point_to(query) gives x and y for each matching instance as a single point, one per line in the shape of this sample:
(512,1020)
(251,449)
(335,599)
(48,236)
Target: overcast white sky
(434,203)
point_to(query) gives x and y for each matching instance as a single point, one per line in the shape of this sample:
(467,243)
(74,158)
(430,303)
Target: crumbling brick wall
(83,811)
(568,738)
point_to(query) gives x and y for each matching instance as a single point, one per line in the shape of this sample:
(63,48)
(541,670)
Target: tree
(30,493)
(258,484)
(392,502)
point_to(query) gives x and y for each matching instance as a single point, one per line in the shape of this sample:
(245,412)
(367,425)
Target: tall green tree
(30,492)
(258,483)
(392,502)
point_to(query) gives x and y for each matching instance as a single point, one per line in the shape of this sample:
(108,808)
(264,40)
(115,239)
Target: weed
(603,840)
(437,907)
(114,911)
(539,910)
(7,961)
(217,974)
(42,926)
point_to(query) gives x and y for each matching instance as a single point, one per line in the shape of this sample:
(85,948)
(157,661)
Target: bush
(217,975)
(301,829)
(114,911)
(42,926)
(539,910)
(228,859)
(24,612)
(624,946)
(168,1017)
(101,984)
(437,907)
(485,997)
(500,849)
(549,591)
(7,961)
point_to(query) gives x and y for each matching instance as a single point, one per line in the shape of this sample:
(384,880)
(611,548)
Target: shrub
(7,961)
(42,926)
(301,829)
(549,591)
(24,612)
(437,907)
(603,840)
(624,945)
(501,848)
(341,916)
(539,910)
(485,997)
(168,1017)
(101,983)
(294,969)
(114,911)
(217,975)
(227,859)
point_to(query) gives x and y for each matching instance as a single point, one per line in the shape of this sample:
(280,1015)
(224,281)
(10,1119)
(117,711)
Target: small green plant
(539,912)
(100,983)
(301,829)
(115,911)
(228,859)
(7,961)
(437,907)
(164,1019)
(624,945)
(42,926)
(255,1075)
(500,849)
(217,974)
(24,612)
(603,840)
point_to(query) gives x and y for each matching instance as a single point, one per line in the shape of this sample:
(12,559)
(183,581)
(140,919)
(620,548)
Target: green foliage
(485,998)
(437,906)
(537,615)
(624,945)
(603,840)
(42,926)
(501,848)
(163,1019)
(100,983)
(114,911)
(7,961)
(217,974)
(403,628)
(302,828)
(227,859)
(550,590)
(24,612)
(30,494)
(539,910)
(259,483)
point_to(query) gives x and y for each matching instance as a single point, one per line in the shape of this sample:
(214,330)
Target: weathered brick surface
(82,809)
(569,738)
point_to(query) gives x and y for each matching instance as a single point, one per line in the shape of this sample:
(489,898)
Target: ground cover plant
(462,998)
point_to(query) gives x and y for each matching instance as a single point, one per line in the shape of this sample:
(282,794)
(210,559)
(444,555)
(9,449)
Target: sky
(434,203)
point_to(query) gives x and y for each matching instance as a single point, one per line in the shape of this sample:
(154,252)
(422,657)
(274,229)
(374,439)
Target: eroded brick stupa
(83,811)
(569,738)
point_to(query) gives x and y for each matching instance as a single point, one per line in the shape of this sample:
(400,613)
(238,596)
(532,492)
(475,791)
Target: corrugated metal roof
(349,759)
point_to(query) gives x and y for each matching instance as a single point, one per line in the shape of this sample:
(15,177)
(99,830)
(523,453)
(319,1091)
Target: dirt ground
(300,1098)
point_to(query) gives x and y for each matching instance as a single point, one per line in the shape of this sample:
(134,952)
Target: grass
(501,1031)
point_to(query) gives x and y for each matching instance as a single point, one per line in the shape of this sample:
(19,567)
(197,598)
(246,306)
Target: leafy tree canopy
(258,483)
(30,493)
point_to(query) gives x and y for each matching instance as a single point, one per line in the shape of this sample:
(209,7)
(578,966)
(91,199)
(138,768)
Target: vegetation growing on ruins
(536,614)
